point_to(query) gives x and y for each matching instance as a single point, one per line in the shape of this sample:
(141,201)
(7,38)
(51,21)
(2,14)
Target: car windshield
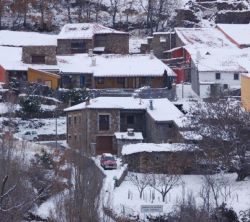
(109,158)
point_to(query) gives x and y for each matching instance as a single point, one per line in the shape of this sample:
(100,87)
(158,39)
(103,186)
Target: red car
(108,161)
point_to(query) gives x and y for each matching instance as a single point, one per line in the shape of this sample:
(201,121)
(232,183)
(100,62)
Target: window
(217,75)
(38,59)
(100,80)
(236,76)
(75,120)
(69,120)
(225,86)
(104,122)
(130,119)
(75,138)
(163,39)
(121,80)
(77,46)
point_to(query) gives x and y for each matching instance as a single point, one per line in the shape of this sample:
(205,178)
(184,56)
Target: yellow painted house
(245,91)
(50,79)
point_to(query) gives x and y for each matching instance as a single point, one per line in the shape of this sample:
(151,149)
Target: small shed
(161,158)
(46,78)
(125,138)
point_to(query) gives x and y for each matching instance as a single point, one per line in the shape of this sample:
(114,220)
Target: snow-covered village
(124,111)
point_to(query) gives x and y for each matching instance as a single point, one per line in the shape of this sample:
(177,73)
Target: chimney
(151,55)
(93,61)
(87,101)
(151,106)
(130,132)
(90,52)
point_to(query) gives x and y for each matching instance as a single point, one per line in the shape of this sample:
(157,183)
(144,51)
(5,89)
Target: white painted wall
(209,77)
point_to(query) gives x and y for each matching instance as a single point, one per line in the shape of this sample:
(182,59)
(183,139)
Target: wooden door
(104,144)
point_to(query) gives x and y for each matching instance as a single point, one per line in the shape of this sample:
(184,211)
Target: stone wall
(139,121)
(162,162)
(233,17)
(162,42)
(76,130)
(48,51)
(161,132)
(185,15)
(113,43)
(64,46)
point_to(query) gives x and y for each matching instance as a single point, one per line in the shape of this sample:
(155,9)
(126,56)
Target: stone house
(39,55)
(161,158)
(80,38)
(159,43)
(13,66)
(92,125)
(26,50)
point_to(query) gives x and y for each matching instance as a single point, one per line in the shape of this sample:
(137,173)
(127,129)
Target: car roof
(107,154)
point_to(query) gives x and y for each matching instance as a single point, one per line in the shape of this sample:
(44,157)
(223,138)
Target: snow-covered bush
(30,104)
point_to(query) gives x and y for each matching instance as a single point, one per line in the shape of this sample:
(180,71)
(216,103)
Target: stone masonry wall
(64,46)
(48,51)
(92,123)
(162,42)
(161,132)
(113,43)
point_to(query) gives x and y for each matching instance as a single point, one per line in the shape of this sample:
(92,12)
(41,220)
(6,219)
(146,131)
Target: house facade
(80,38)
(245,91)
(92,125)
(113,71)
(216,71)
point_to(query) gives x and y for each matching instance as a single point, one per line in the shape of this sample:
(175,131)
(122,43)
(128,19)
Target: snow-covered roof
(209,37)
(14,60)
(151,147)
(16,38)
(239,33)
(114,65)
(84,31)
(127,136)
(219,60)
(163,110)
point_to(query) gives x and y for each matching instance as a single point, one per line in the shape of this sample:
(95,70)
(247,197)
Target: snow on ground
(126,197)
(184,91)
(7,107)
(43,126)
(109,182)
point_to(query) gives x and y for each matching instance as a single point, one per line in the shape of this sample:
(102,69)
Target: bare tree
(216,190)
(225,127)
(44,8)
(81,202)
(158,12)
(163,183)
(68,6)
(3,5)
(114,8)
(97,8)
(141,181)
